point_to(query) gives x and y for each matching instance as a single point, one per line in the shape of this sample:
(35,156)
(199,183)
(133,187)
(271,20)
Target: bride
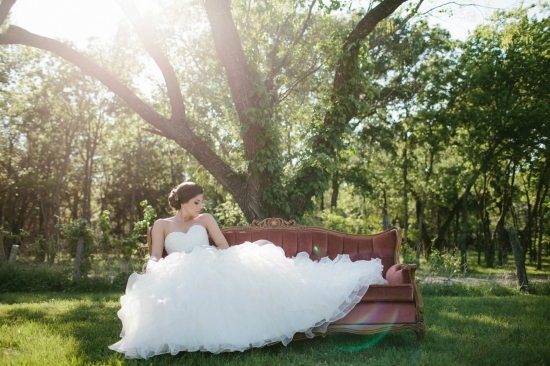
(201,298)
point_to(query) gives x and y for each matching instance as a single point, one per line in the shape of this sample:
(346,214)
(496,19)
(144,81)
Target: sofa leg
(420,333)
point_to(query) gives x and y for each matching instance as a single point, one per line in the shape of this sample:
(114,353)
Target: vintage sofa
(395,306)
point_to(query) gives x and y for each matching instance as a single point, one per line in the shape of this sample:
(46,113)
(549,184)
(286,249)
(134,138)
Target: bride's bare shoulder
(162,223)
(207,219)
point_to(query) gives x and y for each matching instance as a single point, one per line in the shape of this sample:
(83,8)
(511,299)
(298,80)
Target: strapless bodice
(178,241)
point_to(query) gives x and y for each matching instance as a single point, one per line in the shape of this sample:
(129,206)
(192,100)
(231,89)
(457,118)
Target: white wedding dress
(200,298)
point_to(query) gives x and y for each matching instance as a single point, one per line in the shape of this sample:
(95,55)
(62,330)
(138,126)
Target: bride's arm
(157,236)
(215,233)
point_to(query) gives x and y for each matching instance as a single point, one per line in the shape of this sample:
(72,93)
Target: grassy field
(484,324)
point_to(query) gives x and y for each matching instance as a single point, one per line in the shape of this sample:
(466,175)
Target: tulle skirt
(246,296)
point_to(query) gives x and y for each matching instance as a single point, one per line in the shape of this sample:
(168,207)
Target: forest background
(330,114)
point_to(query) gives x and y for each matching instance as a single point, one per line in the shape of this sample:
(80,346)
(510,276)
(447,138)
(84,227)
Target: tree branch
(154,131)
(342,88)
(146,35)
(17,35)
(286,59)
(5,9)
(179,132)
(336,119)
(277,41)
(455,3)
(370,20)
(239,76)
(298,81)
(398,28)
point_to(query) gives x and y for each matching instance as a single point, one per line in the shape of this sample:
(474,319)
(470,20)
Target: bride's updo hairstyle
(183,193)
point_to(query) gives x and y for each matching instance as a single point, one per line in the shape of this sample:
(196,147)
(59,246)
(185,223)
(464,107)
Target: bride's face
(193,207)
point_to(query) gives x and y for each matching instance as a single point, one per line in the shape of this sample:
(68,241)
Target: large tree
(262,188)
(499,97)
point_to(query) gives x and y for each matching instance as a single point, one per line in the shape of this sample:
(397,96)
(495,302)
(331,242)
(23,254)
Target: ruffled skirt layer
(234,299)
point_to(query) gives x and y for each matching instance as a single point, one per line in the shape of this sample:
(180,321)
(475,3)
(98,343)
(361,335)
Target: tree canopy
(280,107)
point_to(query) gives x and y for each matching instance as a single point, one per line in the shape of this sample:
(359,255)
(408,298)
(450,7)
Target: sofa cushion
(389,293)
(396,275)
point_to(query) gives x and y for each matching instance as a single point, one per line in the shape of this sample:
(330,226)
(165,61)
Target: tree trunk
(385,217)
(420,208)
(479,247)
(335,190)
(6,245)
(525,234)
(485,223)
(532,226)
(539,251)
(456,229)
(523,283)
(500,236)
(135,182)
(78,258)
(69,137)
(465,232)
(405,188)
(75,205)
(4,249)
(440,238)
(40,244)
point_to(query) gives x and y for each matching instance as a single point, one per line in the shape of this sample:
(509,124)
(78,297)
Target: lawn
(486,324)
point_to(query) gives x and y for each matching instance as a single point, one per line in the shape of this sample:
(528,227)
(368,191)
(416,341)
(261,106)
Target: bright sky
(463,19)
(79,20)
(76,20)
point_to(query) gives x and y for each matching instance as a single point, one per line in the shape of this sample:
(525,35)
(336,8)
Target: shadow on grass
(461,330)
(90,321)
(490,330)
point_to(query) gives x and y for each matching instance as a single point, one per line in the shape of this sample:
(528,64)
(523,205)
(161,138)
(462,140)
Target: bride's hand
(152,258)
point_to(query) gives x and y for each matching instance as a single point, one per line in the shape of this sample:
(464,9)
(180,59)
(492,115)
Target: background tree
(259,189)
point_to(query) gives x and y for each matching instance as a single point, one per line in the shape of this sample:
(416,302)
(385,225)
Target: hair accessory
(176,194)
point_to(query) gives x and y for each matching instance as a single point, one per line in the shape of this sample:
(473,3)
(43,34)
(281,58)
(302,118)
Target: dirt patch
(507,280)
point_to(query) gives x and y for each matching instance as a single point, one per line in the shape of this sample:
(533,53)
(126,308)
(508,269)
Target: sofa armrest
(417,295)
(399,274)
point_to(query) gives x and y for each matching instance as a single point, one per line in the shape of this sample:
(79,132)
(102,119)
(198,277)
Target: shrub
(540,288)
(90,284)
(119,282)
(468,290)
(40,278)
(449,262)
(338,220)
(228,213)
(409,255)
(14,278)
(73,232)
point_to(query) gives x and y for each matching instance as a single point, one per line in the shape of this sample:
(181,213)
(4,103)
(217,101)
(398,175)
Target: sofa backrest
(319,242)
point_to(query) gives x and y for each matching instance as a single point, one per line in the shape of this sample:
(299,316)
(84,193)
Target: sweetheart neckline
(181,232)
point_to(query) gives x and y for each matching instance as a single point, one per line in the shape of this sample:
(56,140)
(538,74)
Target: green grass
(466,325)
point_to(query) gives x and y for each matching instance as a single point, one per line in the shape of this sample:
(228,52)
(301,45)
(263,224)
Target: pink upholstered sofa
(395,306)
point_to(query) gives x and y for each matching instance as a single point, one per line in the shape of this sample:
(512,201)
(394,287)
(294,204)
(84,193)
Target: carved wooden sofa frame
(395,306)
